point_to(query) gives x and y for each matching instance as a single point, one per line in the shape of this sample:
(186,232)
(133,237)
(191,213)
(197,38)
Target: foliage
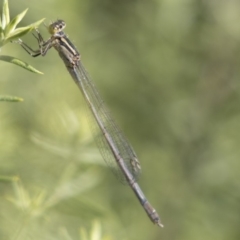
(8,33)
(169,73)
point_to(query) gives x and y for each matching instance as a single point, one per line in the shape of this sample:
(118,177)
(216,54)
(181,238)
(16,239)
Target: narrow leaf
(10,99)
(14,22)
(19,32)
(36,24)
(5,14)
(19,63)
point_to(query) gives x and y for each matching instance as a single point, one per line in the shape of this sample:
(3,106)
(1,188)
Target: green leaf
(19,63)
(36,24)
(5,14)
(7,98)
(17,34)
(14,22)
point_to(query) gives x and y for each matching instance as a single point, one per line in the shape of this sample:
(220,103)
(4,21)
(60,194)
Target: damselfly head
(56,26)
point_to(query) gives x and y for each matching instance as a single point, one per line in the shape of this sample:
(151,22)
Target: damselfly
(115,149)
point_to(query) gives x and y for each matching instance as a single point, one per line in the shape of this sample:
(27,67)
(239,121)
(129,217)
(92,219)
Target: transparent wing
(106,124)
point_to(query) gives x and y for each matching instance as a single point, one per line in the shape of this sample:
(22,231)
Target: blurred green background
(169,72)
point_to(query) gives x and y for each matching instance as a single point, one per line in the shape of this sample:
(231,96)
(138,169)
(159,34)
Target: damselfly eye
(61,24)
